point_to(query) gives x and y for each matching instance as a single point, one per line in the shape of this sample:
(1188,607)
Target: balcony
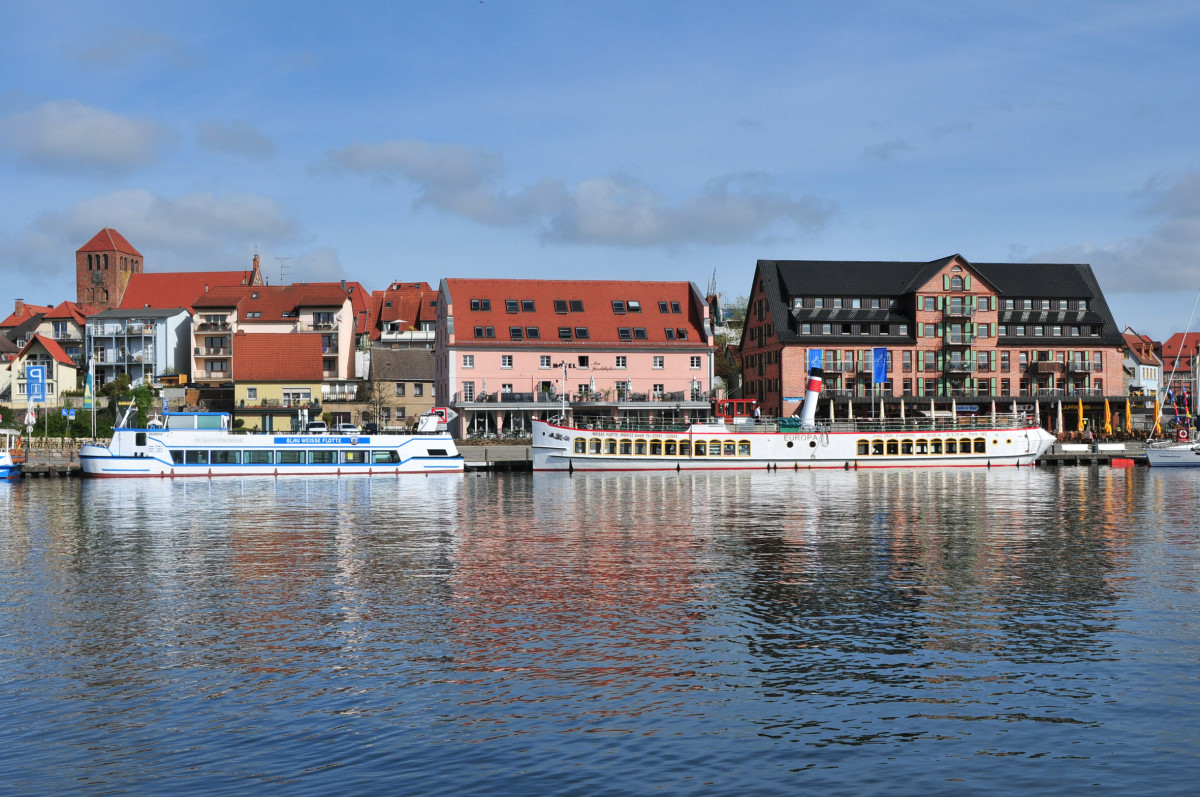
(1048,367)
(959,339)
(953,311)
(1079,367)
(960,367)
(211,351)
(209,326)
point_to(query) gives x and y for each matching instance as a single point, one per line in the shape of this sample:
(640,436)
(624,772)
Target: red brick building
(953,330)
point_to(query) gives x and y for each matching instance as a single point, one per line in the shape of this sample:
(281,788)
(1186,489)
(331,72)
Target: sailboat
(1184,452)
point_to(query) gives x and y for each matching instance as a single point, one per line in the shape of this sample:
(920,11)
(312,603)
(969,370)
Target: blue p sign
(35,383)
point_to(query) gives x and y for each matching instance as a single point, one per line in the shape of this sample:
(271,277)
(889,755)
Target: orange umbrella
(1107,418)
(1128,418)
(1157,426)
(1079,423)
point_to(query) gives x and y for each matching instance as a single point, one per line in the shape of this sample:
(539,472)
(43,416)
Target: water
(934,632)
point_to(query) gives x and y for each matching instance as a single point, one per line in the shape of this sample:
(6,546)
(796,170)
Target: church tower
(103,267)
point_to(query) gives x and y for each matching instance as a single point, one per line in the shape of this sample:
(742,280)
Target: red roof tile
(596,298)
(161,291)
(15,319)
(51,347)
(360,301)
(407,302)
(276,357)
(75,312)
(271,301)
(109,240)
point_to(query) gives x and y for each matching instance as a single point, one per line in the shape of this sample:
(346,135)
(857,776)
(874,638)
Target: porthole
(789,444)
(812,443)
(1008,441)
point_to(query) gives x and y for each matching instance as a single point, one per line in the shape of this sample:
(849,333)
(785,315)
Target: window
(576,306)
(634,306)
(511,306)
(481,304)
(506,361)
(618,307)
(956,283)
(581,333)
(1027,304)
(584,361)
(478,332)
(826,329)
(875,303)
(468,361)
(806,329)
(658,362)
(560,306)
(670,333)
(681,333)
(468,391)
(657,389)
(564,333)
(400,390)
(418,389)
(639,333)
(624,333)
(621,361)
(516,333)
(695,362)
(533,333)
(527,305)
(544,361)
(676,307)
(663,307)
(818,302)
(855,304)
(930,330)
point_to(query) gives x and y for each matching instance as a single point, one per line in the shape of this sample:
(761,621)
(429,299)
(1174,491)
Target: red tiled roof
(272,301)
(165,291)
(76,312)
(597,315)
(407,302)
(15,319)
(360,301)
(51,347)
(109,240)
(276,357)
(1141,347)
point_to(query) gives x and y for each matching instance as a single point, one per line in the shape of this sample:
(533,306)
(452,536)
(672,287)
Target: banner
(880,361)
(88,386)
(815,358)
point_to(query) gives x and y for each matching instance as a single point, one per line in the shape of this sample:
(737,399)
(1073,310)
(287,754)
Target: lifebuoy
(1183,435)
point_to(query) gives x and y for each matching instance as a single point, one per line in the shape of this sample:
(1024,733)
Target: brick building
(971,333)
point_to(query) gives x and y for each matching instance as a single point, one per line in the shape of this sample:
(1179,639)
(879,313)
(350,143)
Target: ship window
(893,448)
(639,447)
(964,446)
(906,447)
(669,448)
(864,448)
(626,446)
(610,446)
(922,447)
(289,457)
(139,439)
(952,446)
(980,445)
(226,457)
(580,445)
(385,457)
(322,457)
(877,448)
(743,448)
(356,457)
(935,446)
(196,457)
(594,445)
(176,456)
(685,448)
(656,448)
(701,448)
(730,448)
(258,457)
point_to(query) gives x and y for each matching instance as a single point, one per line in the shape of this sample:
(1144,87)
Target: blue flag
(880,360)
(815,358)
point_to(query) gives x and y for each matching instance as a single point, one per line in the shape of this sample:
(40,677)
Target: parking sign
(35,383)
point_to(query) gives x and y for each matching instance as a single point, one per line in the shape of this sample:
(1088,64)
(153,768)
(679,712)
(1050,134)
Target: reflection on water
(884,631)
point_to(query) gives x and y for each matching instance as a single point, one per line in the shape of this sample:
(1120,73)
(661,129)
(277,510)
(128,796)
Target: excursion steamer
(974,441)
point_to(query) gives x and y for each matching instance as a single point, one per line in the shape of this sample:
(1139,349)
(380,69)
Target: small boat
(747,443)
(11,455)
(203,444)
(1182,454)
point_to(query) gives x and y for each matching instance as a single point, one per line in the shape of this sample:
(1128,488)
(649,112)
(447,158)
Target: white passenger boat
(976,441)
(202,444)
(10,467)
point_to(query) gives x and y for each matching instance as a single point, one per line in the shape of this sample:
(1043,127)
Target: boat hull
(558,448)
(1181,456)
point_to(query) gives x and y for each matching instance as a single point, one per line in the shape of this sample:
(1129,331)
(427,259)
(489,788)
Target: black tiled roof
(402,365)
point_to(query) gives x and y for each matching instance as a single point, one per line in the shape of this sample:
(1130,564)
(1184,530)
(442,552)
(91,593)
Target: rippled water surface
(935,632)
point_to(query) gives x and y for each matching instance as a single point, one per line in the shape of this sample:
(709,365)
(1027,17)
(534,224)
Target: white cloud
(66,135)
(887,150)
(613,210)
(196,232)
(318,265)
(126,45)
(235,138)
(1165,258)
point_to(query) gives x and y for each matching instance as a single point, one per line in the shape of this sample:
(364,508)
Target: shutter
(920,330)
(945,282)
(920,361)
(940,333)
(967,282)
(942,301)
(993,361)
(967,328)
(920,387)
(993,390)
(941,361)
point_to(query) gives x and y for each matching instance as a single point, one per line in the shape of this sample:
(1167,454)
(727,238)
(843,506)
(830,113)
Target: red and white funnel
(808,415)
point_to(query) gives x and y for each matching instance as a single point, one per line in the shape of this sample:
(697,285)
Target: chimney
(343,285)
(19,306)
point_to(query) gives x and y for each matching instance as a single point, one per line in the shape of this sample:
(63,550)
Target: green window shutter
(941,302)
(940,333)
(970,301)
(967,282)
(920,361)
(993,362)
(993,390)
(920,387)
(920,330)
(945,282)
(967,327)
(940,361)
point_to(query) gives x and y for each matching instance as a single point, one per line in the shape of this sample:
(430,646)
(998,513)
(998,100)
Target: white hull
(171,453)
(1180,456)
(765,446)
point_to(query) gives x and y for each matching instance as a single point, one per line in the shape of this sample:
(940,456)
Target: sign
(815,358)
(71,413)
(35,383)
(879,359)
(968,408)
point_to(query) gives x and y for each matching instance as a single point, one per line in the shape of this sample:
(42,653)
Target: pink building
(508,350)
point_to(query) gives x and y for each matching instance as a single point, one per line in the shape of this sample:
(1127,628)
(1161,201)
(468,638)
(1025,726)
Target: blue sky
(421,140)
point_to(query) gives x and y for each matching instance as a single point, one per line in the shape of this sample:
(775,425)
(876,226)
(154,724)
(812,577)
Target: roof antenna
(283,269)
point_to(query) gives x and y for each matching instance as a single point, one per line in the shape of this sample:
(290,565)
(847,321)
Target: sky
(415,141)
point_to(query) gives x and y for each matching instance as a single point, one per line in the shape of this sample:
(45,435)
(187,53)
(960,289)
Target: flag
(88,386)
(816,358)
(879,357)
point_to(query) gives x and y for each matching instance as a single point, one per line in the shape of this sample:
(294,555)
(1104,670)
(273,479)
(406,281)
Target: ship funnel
(808,415)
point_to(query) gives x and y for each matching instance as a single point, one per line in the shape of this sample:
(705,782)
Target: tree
(378,393)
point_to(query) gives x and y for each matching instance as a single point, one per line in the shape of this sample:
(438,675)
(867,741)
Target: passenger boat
(974,441)
(10,454)
(203,444)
